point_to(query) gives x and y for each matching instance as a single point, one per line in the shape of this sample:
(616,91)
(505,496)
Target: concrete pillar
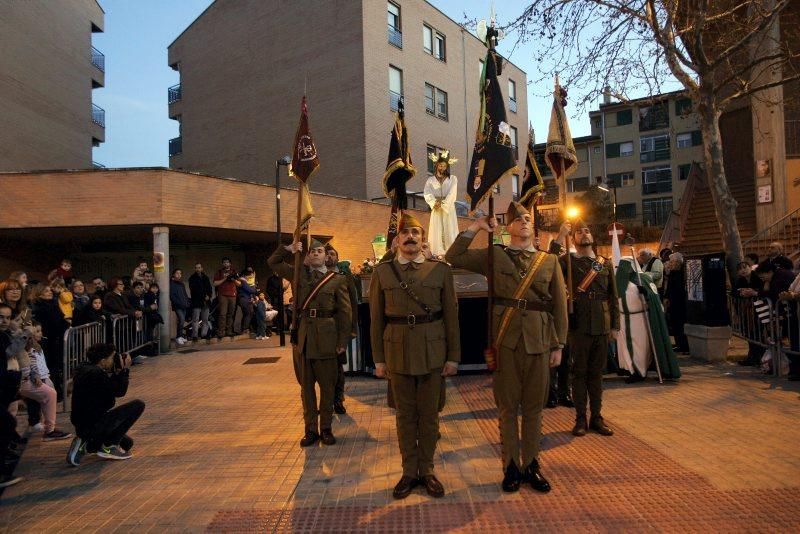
(162,275)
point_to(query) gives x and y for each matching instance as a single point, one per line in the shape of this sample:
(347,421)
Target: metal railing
(781,230)
(772,327)
(174,93)
(789,332)
(130,334)
(98,59)
(96,165)
(76,341)
(98,115)
(395,37)
(175,146)
(394,100)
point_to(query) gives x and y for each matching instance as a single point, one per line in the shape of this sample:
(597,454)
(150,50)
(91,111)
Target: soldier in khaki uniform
(332,263)
(323,333)
(415,340)
(532,342)
(593,324)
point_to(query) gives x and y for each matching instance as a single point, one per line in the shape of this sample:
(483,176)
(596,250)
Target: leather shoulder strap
(315,289)
(408,289)
(526,282)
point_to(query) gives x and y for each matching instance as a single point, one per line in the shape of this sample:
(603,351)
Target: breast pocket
(431,290)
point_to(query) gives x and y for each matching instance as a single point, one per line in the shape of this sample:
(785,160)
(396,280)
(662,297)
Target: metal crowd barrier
(130,334)
(772,326)
(76,341)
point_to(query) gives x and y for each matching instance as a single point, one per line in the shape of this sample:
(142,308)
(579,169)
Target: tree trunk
(724,203)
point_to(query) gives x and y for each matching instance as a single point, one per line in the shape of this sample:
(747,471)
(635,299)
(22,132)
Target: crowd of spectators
(35,315)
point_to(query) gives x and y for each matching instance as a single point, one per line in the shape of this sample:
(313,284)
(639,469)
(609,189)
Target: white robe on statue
(642,354)
(443,227)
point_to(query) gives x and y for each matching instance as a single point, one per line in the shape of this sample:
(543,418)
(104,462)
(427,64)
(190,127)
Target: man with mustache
(323,333)
(594,322)
(530,325)
(415,342)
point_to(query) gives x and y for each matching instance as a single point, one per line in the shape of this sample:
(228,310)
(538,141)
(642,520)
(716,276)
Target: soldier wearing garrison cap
(415,341)
(593,323)
(324,314)
(530,324)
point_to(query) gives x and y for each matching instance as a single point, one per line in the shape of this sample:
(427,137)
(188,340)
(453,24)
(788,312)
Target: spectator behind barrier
(102,428)
(91,313)
(80,298)
(64,298)
(47,311)
(22,278)
(201,293)
(100,287)
(63,271)
(11,293)
(9,386)
(777,258)
(180,303)
(115,302)
(776,280)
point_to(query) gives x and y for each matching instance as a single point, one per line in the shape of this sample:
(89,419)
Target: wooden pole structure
(570,296)
(297,259)
(490,354)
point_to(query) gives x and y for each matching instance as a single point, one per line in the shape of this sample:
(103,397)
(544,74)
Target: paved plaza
(217,450)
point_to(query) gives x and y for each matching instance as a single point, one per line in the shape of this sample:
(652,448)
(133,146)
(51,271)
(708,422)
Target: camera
(233,276)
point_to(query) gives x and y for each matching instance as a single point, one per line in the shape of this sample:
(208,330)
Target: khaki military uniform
(596,313)
(352,292)
(414,350)
(324,326)
(523,372)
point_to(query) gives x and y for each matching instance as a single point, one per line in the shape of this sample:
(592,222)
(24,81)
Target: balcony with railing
(98,59)
(792,135)
(98,116)
(174,93)
(394,100)
(96,165)
(395,36)
(175,146)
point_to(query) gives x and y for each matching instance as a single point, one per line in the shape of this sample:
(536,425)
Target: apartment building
(245,65)
(643,149)
(48,70)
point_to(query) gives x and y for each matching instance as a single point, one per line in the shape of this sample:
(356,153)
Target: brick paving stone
(217,450)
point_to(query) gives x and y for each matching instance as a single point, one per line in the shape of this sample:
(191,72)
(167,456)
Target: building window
(395,35)
(626,211)
(432,150)
(655,211)
(683,107)
(395,87)
(654,148)
(624,117)
(689,139)
(514,142)
(576,185)
(654,117)
(656,180)
(621,179)
(596,122)
(619,150)
(597,150)
(433,42)
(512,96)
(684,170)
(435,101)
(515,186)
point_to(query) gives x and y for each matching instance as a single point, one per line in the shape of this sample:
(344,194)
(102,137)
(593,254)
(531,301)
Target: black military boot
(580,426)
(535,477)
(512,478)
(566,400)
(597,424)
(309,439)
(404,487)
(552,399)
(327,437)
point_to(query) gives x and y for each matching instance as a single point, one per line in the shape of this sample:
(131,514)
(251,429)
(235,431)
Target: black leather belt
(524,304)
(313,312)
(591,295)
(412,319)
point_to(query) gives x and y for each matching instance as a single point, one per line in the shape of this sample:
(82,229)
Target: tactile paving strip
(599,484)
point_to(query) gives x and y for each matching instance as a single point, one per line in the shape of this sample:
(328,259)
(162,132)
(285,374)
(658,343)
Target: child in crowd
(36,384)
(64,297)
(264,314)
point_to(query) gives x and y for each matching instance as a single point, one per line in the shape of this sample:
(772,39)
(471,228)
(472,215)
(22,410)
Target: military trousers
(309,373)
(559,378)
(589,354)
(416,400)
(521,379)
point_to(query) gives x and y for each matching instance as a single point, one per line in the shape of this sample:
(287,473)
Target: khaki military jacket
(427,346)
(541,331)
(318,337)
(597,316)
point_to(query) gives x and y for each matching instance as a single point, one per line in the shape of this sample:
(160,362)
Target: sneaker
(258,338)
(139,359)
(180,340)
(38,427)
(113,453)
(9,480)
(77,450)
(55,435)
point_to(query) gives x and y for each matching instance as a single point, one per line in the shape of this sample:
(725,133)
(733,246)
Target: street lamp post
(284,161)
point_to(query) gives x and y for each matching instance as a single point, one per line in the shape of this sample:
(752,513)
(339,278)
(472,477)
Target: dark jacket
(94,392)
(782,262)
(80,301)
(753,282)
(87,315)
(178,296)
(136,302)
(200,288)
(781,280)
(118,304)
(246,290)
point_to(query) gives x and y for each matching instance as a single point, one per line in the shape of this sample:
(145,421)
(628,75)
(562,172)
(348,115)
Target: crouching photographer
(100,427)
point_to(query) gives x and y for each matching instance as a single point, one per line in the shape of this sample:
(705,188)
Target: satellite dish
(482,30)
